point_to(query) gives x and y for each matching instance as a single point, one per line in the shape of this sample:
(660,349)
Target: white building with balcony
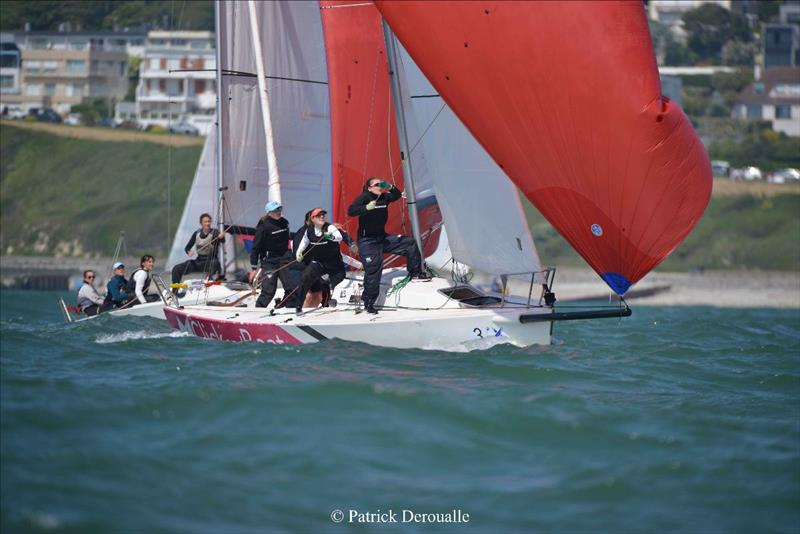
(177,80)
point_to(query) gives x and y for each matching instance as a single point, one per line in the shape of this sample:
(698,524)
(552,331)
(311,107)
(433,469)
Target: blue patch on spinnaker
(617,282)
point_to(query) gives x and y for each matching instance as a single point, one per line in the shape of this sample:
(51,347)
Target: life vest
(321,249)
(206,246)
(130,287)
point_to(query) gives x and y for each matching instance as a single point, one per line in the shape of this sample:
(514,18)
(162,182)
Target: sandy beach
(729,289)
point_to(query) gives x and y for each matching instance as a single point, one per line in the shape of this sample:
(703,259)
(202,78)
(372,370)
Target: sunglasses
(89,277)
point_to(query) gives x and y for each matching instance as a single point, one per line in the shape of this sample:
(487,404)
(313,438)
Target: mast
(405,156)
(221,215)
(274,183)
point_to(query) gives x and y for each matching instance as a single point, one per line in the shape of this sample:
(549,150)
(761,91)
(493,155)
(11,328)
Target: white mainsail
(481,209)
(294,63)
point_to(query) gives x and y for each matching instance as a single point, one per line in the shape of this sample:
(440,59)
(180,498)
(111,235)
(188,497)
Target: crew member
(206,241)
(271,251)
(319,251)
(89,300)
(371,207)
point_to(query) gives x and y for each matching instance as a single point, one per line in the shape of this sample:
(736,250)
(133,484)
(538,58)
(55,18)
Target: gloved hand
(298,256)
(353,250)
(371,205)
(328,236)
(385,185)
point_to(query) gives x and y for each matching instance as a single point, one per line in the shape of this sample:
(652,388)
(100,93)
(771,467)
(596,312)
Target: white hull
(196,294)
(419,316)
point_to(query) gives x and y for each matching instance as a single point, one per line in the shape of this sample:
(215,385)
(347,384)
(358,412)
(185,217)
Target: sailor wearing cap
(271,251)
(319,251)
(116,296)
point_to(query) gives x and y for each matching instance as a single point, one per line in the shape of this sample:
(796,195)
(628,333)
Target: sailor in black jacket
(371,207)
(319,251)
(271,251)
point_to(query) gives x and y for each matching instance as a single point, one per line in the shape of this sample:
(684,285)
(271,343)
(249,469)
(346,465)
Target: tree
(710,26)
(736,52)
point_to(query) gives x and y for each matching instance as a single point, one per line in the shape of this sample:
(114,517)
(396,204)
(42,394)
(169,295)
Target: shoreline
(724,289)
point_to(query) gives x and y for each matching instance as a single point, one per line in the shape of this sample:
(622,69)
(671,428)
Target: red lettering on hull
(228,330)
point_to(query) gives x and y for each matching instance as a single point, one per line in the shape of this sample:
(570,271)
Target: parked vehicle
(106,122)
(786,175)
(44,115)
(746,173)
(73,119)
(14,112)
(184,128)
(721,168)
(129,125)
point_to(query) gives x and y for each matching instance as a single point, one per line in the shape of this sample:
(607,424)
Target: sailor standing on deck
(371,207)
(271,251)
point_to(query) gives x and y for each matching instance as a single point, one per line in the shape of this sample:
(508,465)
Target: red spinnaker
(565,96)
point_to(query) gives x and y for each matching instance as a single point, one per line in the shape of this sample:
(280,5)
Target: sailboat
(580,128)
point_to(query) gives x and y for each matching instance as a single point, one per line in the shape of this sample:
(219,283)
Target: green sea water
(676,419)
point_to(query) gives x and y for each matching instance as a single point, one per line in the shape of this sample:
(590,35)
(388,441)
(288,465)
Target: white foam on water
(468,346)
(136,335)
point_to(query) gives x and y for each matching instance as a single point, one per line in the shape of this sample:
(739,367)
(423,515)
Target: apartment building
(177,80)
(59,70)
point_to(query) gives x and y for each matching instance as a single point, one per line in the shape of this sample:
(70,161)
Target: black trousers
(372,249)
(314,271)
(201,264)
(270,274)
(92,310)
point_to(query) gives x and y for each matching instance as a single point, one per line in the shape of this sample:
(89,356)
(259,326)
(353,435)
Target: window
(76,66)
(173,64)
(39,44)
(50,66)
(74,89)
(78,45)
(199,87)
(783,111)
(6,81)
(34,89)
(173,88)
(154,63)
(178,42)
(33,66)
(199,45)
(49,89)
(753,111)
(10,60)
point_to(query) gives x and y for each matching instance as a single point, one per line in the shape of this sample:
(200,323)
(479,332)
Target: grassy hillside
(71,197)
(737,231)
(63,196)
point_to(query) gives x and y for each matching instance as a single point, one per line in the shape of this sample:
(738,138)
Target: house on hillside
(775,98)
(177,81)
(61,69)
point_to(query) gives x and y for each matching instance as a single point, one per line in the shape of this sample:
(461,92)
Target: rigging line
(244,74)
(347,5)
(426,96)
